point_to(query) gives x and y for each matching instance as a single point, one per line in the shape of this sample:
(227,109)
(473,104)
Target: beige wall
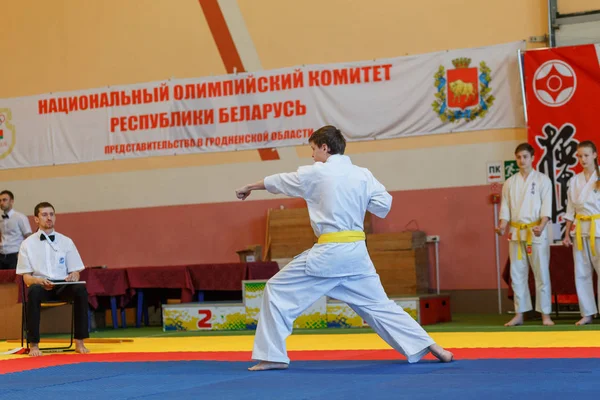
(63,45)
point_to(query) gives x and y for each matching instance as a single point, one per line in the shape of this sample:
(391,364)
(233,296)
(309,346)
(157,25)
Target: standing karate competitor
(527,205)
(583,207)
(338,194)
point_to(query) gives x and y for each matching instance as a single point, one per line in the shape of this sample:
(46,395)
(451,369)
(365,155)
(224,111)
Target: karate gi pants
(539,260)
(289,293)
(585,264)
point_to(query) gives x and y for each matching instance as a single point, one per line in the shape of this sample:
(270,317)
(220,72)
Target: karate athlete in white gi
(583,214)
(338,194)
(527,208)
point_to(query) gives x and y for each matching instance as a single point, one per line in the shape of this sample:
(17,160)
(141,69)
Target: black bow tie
(43,237)
(4,216)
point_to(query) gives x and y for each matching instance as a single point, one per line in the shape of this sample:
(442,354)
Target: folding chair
(48,304)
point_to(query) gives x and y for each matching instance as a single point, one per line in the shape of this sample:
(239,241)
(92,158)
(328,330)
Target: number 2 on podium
(203,323)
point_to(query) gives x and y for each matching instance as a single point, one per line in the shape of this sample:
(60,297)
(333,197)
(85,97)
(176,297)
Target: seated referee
(46,258)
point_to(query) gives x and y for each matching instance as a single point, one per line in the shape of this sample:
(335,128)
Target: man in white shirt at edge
(46,257)
(338,194)
(14,228)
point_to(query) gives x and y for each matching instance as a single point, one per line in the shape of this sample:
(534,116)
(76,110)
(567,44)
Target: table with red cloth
(199,277)
(107,282)
(562,274)
(165,277)
(110,282)
(122,284)
(262,270)
(229,276)
(188,278)
(192,279)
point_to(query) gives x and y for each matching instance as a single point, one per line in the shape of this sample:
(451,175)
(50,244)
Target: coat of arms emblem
(463,92)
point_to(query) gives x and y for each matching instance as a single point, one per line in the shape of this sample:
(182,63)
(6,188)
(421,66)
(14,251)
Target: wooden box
(396,241)
(402,262)
(250,254)
(10,328)
(289,232)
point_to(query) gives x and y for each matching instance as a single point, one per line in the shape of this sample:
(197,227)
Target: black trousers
(36,295)
(8,261)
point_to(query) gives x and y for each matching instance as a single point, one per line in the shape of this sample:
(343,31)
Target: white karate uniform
(525,201)
(337,194)
(584,199)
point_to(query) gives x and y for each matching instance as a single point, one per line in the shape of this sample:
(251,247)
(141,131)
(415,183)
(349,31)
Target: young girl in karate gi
(583,216)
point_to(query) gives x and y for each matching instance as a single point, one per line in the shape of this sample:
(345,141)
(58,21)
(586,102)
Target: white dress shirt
(53,260)
(13,230)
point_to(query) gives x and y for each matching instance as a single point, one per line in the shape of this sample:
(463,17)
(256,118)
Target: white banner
(449,91)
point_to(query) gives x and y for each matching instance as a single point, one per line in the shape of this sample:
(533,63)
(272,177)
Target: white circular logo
(554,83)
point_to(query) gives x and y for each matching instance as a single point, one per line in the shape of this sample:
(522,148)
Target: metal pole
(522,75)
(437,266)
(497,260)
(552,11)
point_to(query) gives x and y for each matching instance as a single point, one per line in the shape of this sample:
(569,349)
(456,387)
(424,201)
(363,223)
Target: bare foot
(80,347)
(546,320)
(34,350)
(516,321)
(584,320)
(440,353)
(267,365)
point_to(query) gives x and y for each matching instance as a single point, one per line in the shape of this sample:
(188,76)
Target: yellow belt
(342,237)
(593,219)
(529,237)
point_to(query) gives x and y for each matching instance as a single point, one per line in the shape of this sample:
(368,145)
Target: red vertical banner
(562,93)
